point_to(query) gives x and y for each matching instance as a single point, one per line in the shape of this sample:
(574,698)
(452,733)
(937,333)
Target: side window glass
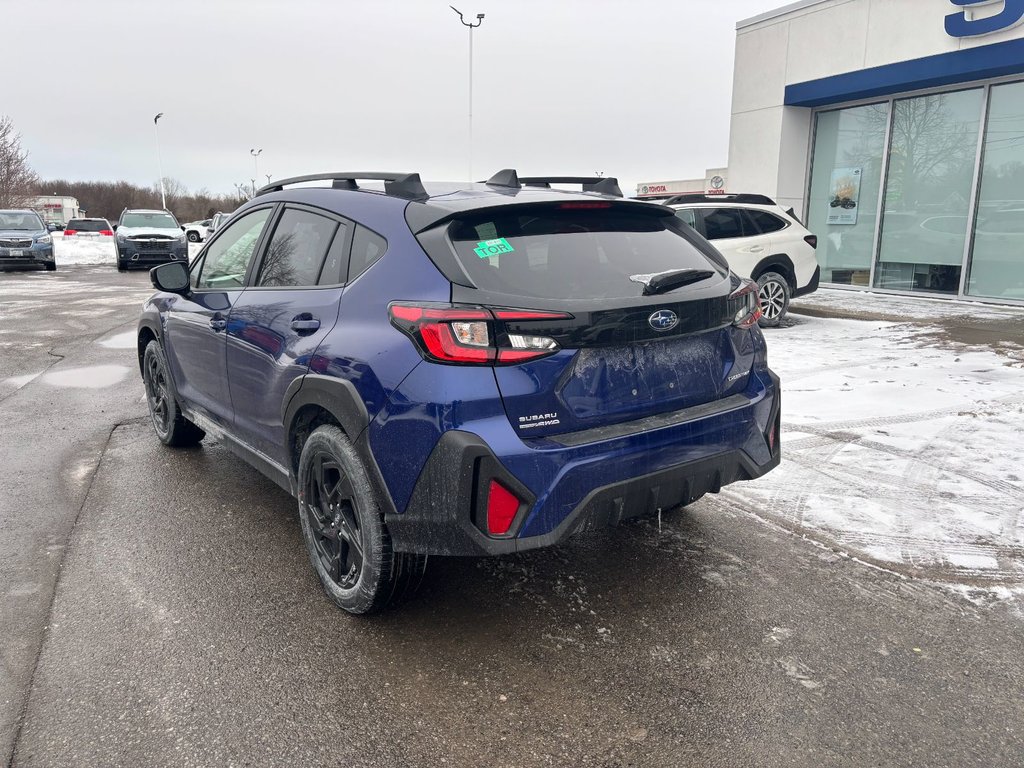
(367,247)
(296,250)
(336,267)
(764,222)
(722,223)
(228,257)
(688,215)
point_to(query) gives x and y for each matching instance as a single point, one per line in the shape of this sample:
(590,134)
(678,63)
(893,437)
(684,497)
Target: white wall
(769,143)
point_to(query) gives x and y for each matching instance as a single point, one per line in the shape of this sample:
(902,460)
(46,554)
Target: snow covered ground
(92,251)
(901,452)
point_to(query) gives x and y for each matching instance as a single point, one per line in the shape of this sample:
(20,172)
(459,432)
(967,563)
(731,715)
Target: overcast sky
(638,89)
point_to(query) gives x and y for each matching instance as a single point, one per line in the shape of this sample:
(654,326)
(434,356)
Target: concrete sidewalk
(958,322)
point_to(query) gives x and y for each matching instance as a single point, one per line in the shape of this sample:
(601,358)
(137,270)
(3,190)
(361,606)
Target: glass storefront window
(997,258)
(933,145)
(846,173)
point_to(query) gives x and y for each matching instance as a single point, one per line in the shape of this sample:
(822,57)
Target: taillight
(749,311)
(502,506)
(811,240)
(466,335)
(107,232)
(69,232)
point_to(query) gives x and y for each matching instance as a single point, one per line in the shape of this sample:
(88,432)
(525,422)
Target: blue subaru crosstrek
(471,369)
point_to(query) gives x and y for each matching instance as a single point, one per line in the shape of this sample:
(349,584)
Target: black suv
(149,237)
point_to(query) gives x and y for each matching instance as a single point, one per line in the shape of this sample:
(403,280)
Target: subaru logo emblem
(663,320)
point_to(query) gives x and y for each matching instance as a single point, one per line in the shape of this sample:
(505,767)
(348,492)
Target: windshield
(149,220)
(26,221)
(561,252)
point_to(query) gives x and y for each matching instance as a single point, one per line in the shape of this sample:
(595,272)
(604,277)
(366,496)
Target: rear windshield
(154,220)
(553,252)
(88,225)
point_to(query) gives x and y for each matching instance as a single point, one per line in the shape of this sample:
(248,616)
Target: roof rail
(742,197)
(404,185)
(600,184)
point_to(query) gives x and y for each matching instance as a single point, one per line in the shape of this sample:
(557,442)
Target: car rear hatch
(597,313)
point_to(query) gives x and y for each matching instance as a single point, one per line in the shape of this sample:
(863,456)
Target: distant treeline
(106,199)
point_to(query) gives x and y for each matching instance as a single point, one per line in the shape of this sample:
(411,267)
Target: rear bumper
(812,286)
(566,489)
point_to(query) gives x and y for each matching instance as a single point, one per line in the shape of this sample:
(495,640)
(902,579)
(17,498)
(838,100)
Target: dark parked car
(469,369)
(148,237)
(25,241)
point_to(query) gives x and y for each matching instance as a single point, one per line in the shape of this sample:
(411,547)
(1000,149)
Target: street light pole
(479,21)
(159,164)
(256,165)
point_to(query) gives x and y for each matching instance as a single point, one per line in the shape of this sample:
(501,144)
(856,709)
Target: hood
(14,234)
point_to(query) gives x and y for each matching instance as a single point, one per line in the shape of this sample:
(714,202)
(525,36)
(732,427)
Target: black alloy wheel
(344,531)
(157,395)
(169,423)
(330,506)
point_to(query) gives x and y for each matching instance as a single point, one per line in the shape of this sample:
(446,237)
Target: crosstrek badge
(486,248)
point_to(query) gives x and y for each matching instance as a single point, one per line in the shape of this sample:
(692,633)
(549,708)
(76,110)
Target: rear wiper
(662,282)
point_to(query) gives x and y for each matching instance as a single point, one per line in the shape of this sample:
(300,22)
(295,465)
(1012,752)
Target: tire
(774,293)
(171,427)
(344,531)
(51,267)
(193,236)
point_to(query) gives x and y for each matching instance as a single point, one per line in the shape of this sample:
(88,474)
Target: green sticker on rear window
(487,248)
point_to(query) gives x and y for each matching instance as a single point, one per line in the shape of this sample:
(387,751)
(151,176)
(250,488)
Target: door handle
(757,249)
(305,323)
(218,323)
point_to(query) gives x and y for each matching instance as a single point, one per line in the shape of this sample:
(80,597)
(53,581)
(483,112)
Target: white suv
(760,241)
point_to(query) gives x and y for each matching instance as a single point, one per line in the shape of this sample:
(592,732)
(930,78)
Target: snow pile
(905,454)
(83,250)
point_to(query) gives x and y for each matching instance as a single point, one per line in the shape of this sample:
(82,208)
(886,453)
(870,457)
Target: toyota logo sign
(663,320)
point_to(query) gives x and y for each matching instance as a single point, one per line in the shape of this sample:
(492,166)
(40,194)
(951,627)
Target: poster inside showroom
(844,196)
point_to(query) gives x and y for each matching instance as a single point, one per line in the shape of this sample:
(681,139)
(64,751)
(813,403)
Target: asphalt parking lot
(158,608)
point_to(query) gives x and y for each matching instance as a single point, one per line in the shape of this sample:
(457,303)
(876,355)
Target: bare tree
(16,176)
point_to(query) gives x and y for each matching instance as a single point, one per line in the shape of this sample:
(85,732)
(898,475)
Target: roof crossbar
(405,185)
(603,185)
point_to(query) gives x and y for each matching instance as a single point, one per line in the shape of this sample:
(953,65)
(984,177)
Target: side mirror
(182,227)
(114,228)
(171,277)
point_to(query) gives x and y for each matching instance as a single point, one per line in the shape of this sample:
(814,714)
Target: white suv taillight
(749,311)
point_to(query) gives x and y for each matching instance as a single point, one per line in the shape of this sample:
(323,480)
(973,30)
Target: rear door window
(296,251)
(725,223)
(572,253)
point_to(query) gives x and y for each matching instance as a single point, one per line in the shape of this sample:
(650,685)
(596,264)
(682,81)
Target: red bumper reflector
(502,506)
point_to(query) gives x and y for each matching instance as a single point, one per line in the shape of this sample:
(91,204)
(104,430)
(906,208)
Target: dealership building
(896,127)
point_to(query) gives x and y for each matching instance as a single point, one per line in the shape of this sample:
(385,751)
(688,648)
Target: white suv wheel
(774,295)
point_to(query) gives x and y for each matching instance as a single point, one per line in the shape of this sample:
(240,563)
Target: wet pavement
(158,608)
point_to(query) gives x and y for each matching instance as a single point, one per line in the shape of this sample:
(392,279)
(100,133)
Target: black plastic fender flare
(767,262)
